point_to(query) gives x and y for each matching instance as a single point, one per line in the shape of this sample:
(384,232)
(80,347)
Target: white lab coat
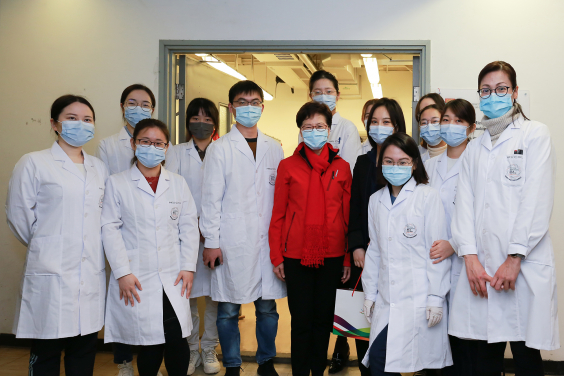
(116,152)
(445,183)
(401,278)
(236,211)
(424,154)
(183,159)
(365,147)
(154,236)
(503,206)
(55,211)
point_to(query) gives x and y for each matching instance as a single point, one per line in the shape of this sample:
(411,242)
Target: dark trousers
(175,350)
(122,353)
(377,355)
(80,352)
(311,299)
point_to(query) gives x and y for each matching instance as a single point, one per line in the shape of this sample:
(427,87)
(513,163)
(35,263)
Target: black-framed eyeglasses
(145,106)
(500,91)
(317,127)
(146,143)
(243,102)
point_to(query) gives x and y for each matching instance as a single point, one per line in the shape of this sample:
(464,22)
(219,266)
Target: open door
(416,96)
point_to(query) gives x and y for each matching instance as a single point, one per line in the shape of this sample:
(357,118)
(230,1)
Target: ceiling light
(267,96)
(363,55)
(371,66)
(201,55)
(376,91)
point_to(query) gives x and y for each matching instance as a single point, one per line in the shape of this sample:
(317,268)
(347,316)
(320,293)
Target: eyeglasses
(146,143)
(243,102)
(500,91)
(145,106)
(402,163)
(326,92)
(424,123)
(317,127)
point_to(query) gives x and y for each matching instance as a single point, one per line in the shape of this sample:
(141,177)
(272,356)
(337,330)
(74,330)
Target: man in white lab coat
(237,199)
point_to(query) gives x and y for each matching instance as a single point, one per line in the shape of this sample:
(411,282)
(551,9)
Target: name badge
(410,231)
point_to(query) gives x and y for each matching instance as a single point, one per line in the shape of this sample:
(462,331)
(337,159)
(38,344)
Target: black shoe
(267,369)
(232,371)
(423,372)
(339,361)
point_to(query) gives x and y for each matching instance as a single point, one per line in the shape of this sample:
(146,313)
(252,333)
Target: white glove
(368,308)
(434,315)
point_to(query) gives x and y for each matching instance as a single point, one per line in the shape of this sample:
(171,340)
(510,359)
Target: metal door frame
(169,48)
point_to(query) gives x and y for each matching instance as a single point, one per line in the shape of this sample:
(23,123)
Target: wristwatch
(515,255)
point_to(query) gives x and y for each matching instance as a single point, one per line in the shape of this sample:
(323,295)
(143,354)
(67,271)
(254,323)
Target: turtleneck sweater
(496,126)
(436,150)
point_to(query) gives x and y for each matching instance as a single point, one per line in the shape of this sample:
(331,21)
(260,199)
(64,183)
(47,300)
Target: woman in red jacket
(308,236)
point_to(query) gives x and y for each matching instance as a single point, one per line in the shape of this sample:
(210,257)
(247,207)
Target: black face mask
(200,130)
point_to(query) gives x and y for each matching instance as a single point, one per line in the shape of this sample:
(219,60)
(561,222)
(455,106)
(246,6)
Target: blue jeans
(230,338)
(377,356)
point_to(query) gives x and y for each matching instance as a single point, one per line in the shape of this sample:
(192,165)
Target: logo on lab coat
(272,178)
(174,213)
(410,231)
(101,201)
(513,172)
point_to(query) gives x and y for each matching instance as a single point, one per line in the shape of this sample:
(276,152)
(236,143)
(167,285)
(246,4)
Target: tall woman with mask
(53,208)
(505,193)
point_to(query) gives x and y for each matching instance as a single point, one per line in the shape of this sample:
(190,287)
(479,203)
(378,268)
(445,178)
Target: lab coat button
(156,206)
(484,231)
(391,260)
(84,237)
(260,215)
(87,192)
(160,270)
(262,236)
(390,238)
(158,228)
(85,215)
(82,282)
(159,248)
(392,305)
(487,206)
(393,282)
(83,259)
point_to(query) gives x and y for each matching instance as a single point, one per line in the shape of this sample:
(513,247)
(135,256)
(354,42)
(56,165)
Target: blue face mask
(315,139)
(329,100)
(135,115)
(247,116)
(76,132)
(431,133)
(494,106)
(453,134)
(397,175)
(379,133)
(149,156)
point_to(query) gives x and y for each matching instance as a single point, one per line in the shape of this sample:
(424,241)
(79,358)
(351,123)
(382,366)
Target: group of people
(449,238)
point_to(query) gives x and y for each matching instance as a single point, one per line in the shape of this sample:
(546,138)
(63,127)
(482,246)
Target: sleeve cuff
(347,261)
(371,297)
(517,248)
(451,241)
(435,301)
(189,266)
(120,272)
(277,260)
(209,243)
(467,250)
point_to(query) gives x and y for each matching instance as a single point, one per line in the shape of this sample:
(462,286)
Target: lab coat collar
(124,138)
(336,119)
(442,166)
(60,155)
(505,135)
(143,184)
(386,199)
(192,151)
(262,146)
(244,147)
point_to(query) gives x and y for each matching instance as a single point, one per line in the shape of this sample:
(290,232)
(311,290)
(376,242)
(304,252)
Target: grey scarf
(496,126)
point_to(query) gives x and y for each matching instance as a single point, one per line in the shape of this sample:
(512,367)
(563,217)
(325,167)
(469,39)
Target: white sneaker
(195,361)
(125,369)
(211,364)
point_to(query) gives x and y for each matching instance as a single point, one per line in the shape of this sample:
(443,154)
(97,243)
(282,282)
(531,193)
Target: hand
(368,308)
(210,255)
(279,271)
(346,274)
(187,280)
(434,315)
(507,274)
(477,276)
(358,257)
(441,250)
(127,290)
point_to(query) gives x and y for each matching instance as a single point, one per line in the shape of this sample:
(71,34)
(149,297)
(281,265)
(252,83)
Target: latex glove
(434,315)
(368,309)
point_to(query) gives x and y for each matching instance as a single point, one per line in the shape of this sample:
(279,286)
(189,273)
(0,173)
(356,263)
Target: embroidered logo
(101,201)
(272,179)
(410,231)
(513,172)
(174,213)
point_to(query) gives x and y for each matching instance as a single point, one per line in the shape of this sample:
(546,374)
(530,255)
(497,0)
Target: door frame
(169,48)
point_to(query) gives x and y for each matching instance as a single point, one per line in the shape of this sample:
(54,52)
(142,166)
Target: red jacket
(286,231)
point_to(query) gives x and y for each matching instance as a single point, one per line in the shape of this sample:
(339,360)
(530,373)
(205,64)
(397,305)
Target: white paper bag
(349,320)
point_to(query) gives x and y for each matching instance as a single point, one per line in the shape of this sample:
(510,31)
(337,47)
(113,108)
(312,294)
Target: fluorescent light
(376,91)
(371,66)
(201,55)
(267,96)
(363,55)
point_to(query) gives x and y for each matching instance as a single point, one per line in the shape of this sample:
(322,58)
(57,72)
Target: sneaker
(267,369)
(195,361)
(211,364)
(125,369)
(232,371)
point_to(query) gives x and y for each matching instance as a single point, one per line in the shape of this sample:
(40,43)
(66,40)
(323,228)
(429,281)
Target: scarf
(315,239)
(435,150)
(496,126)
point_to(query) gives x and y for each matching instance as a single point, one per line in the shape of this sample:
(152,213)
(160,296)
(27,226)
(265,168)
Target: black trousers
(480,358)
(311,299)
(175,350)
(80,352)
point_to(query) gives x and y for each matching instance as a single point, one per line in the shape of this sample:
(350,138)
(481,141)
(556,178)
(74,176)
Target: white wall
(98,47)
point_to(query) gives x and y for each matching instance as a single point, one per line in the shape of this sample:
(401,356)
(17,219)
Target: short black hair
(439,101)
(66,100)
(409,147)
(321,74)
(462,109)
(311,109)
(134,87)
(194,108)
(396,115)
(429,107)
(150,123)
(245,87)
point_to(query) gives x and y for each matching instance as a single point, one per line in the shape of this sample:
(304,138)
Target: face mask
(247,116)
(315,139)
(379,133)
(200,130)
(453,134)
(494,106)
(135,115)
(76,132)
(397,175)
(149,156)
(329,100)
(431,133)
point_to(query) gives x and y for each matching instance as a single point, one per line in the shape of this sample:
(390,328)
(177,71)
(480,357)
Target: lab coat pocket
(513,172)
(41,302)
(232,230)
(44,255)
